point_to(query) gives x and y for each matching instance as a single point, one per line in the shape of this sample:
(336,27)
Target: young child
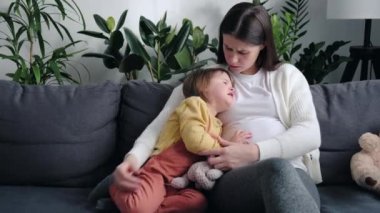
(192,128)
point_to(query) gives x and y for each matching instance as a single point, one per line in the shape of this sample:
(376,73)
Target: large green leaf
(111,23)
(93,34)
(10,48)
(75,8)
(113,62)
(194,66)
(116,40)
(148,31)
(66,31)
(198,37)
(161,24)
(56,71)
(61,8)
(184,58)
(36,73)
(54,24)
(131,63)
(98,55)
(179,41)
(41,42)
(135,45)
(10,57)
(203,46)
(102,24)
(162,71)
(36,15)
(9,21)
(121,21)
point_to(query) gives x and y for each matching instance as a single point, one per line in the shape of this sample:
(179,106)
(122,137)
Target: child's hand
(241,136)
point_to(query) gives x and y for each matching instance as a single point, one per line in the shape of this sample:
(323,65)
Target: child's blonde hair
(196,82)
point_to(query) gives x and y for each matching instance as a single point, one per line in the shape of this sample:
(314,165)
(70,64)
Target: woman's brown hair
(250,24)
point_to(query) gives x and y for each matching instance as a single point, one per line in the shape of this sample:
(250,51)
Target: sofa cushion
(141,102)
(348,199)
(345,111)
(56,135)
(44,199)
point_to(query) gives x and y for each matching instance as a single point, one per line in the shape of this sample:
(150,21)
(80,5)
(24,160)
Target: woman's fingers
(224,142)
(218,162)
(125,177)
(241,136)
(129,183)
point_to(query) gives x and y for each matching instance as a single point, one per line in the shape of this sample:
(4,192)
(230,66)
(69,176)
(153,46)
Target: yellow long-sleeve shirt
(193,123)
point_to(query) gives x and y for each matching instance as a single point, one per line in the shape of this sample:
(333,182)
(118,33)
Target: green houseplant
(23,27)
(161,48)
(174,51)
(317,63)
(127,63)
(288,28)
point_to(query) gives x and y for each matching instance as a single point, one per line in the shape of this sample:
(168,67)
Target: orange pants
(155,193)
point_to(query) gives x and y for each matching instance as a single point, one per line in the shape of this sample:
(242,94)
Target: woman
(275,172)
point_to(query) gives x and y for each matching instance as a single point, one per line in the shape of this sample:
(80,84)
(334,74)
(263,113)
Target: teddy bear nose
(370,181)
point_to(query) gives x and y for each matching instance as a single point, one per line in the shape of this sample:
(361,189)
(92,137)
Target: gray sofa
(59,144)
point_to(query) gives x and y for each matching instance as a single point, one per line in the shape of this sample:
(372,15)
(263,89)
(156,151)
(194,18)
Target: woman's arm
(296,110)
(144,144)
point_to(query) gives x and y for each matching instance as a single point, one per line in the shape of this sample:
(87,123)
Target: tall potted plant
(24,25)
(288,28)
(172,51)
(160,48)
(113,56)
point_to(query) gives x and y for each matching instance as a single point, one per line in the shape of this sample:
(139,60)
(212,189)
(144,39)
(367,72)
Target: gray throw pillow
(57,135)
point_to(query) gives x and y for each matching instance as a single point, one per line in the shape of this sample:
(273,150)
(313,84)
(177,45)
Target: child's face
(219,92)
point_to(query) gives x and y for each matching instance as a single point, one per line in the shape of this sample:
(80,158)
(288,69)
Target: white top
(255,111)
(295,109)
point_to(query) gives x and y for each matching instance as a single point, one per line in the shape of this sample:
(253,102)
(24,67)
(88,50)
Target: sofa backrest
(66,135)
(345,111)
(57,135)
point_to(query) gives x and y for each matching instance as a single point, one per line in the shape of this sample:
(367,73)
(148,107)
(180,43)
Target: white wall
(202,13)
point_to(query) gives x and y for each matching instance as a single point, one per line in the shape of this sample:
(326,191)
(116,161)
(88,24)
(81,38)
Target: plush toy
(365,165)
(201,174)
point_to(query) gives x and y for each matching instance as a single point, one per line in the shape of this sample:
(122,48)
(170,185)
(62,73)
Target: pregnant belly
(261,128)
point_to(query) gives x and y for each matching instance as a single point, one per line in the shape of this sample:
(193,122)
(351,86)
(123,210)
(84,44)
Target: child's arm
(195,122)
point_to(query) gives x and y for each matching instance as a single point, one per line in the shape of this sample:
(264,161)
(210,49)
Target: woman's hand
(232,155)
(125,176)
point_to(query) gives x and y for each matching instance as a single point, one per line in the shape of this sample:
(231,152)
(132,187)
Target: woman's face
(240,56)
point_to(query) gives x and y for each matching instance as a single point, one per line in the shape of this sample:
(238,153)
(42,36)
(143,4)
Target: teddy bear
(365,165)
(201,173)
